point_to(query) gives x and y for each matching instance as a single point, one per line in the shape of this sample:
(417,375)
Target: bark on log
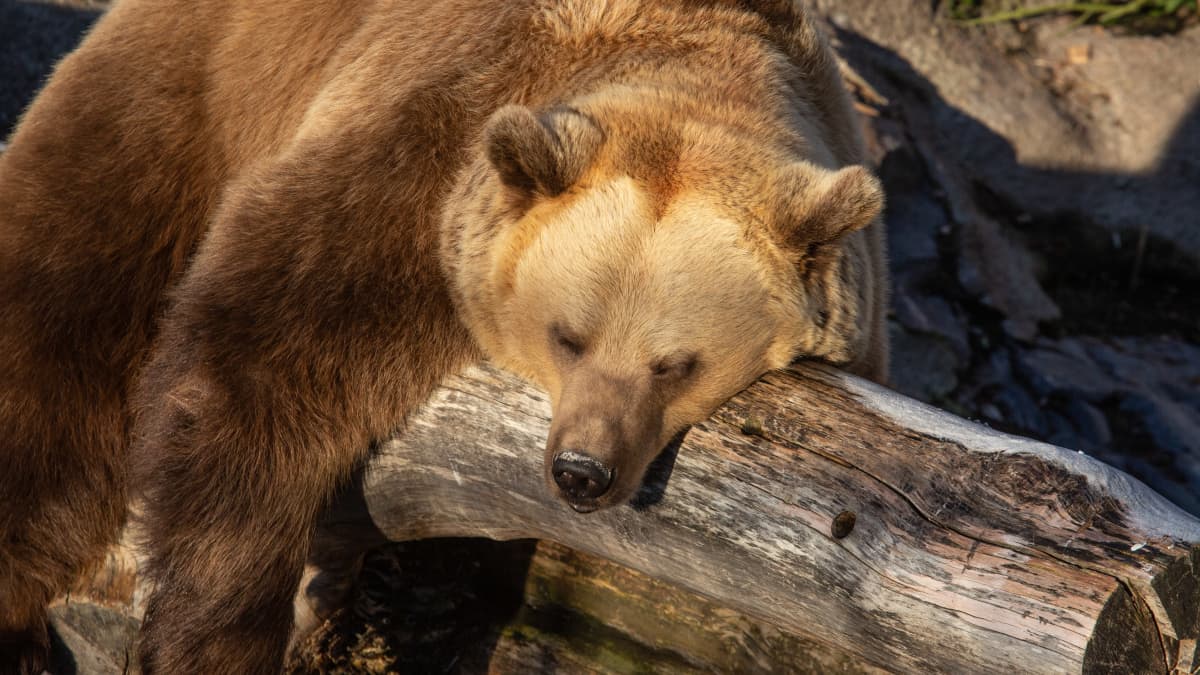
(971,551)
(582,614)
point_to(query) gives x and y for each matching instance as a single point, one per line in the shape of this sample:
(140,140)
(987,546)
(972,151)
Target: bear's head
(643,270)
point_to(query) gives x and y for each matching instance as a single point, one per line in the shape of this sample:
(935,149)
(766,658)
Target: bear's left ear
(542,153)
(814,206)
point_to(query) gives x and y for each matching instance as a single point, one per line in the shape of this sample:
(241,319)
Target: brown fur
(239,241)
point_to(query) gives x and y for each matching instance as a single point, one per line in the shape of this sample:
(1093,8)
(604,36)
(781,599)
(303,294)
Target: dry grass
(1151,16)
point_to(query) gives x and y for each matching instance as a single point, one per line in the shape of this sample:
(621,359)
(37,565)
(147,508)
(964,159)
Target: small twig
(1083,18)
(868,93)
(1114,15)
(865,109)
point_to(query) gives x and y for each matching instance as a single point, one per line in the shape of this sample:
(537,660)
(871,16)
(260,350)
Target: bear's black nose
(580,476)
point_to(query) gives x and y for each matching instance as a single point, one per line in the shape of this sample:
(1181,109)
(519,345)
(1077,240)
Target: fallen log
(875,527)
(582,614)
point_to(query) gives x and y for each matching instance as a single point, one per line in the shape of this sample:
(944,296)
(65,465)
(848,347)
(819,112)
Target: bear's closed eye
(675,367)
(568,342)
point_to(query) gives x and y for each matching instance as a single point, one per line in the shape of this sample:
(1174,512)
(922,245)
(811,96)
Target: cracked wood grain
(972,551)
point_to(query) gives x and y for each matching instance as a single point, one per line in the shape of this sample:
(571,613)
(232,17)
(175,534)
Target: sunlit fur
(679,238)
(636,289)
(240,241)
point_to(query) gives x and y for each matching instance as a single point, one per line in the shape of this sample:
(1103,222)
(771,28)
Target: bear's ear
(814,206)
(541,153)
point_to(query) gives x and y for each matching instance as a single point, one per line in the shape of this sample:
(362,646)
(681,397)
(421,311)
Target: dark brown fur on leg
(270,381)
(234,483)
(86,251)
(64,503)
(343,537)
(229,517)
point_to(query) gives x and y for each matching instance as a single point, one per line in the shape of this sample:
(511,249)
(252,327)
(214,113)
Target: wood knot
(752,427)
(843,524)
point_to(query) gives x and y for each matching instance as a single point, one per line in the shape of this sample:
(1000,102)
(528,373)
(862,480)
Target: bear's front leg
(308,325)
(342,538)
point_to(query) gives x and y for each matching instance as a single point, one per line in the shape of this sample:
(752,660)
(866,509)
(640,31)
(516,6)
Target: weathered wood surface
(972,551)
(582,614)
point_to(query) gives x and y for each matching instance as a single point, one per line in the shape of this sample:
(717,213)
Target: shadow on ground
(1045,325)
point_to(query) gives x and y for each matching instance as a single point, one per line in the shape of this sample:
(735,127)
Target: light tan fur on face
(636,293)
(705,261)
(689,242)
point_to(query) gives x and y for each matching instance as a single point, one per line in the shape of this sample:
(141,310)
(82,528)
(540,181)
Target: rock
(1149,361)
(1176,480)
(1149,385)
(92,639)
(1050,370)
(1061,431)
(1173,428)
(1019,411)
(992,266)
(914,218)
(936,316)
(991,369)
(924,366)
(1000,272)
(1090,424)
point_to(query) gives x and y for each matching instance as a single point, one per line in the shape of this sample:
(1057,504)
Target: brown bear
(240,241)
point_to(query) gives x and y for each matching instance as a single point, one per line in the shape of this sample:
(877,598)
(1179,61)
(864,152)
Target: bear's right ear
(541,154)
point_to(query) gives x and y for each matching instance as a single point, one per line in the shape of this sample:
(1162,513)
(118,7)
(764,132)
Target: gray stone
(936,316)
(991,370)
(923,366)
(914,218)
(1090,424)
(1000,273)
(92,639)
(1061,431)
(1177,482)
(1049,370)
(1173,427)
(1149,362)
(1019,410)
